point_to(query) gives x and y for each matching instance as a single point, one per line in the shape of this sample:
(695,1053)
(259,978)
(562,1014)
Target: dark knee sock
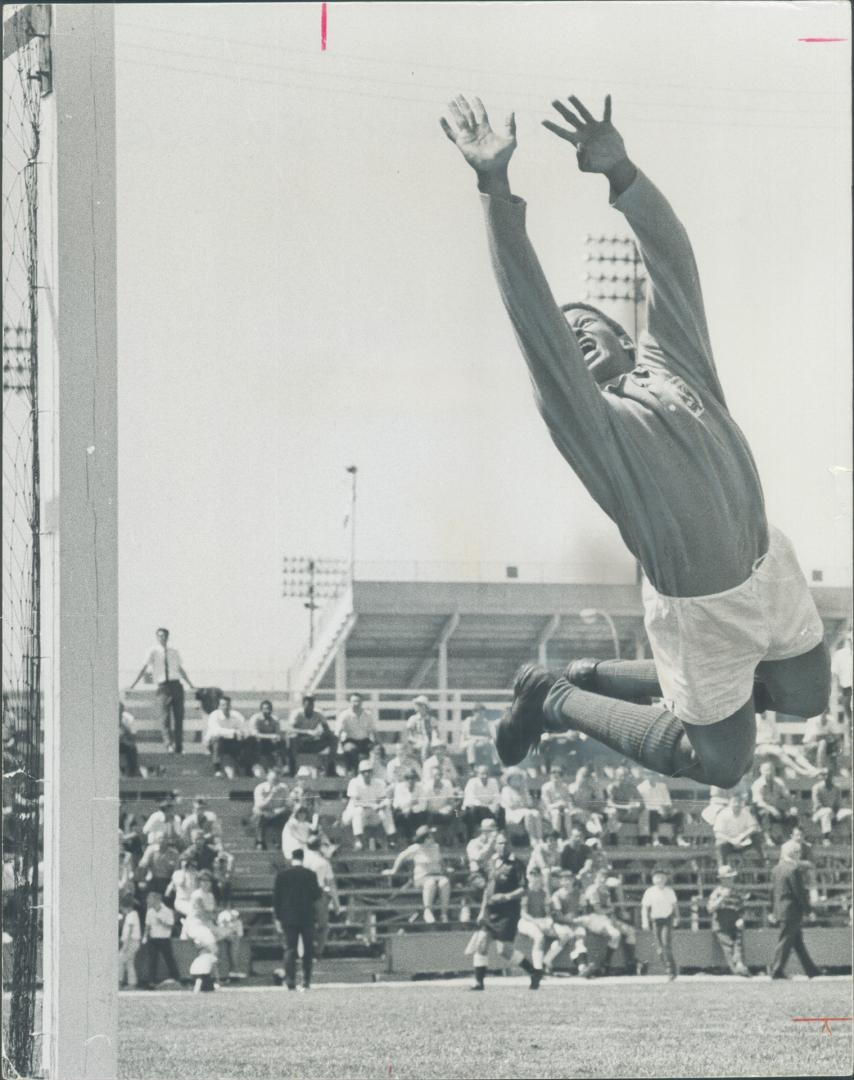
(527,966)
(648,734)
(628,680)
(479,975)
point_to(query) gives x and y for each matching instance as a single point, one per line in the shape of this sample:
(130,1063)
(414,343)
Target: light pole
(352,470)
(312,580)
(590,615)
(627,286)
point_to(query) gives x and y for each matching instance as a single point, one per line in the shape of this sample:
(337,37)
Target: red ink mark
(323,27)
(825,1021)
(821,39)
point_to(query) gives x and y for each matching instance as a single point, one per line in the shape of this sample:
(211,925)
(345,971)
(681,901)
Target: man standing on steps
(164,664)
(646,428)
(295,895)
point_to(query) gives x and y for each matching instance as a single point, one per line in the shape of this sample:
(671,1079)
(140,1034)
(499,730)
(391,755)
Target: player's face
(604,352)
(502,845)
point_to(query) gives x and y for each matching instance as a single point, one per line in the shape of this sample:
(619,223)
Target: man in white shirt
(481,799)
(439,763)
(773,803)
(166,669)
(297,832)
(222,738)
(159,920)
(270,807)
(736,830)
(841,665)
(162,822)
(658,807)
(322,868)
(428,872)
(408,805)
(368,804)
(356,731)
(400,764)
(556,802)
(660,913)
(201,818)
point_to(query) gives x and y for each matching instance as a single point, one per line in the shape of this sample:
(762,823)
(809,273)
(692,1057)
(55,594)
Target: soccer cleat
(520,728)
(536,979)
(582,673)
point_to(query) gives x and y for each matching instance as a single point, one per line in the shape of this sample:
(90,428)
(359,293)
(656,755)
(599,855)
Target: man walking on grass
(646,428)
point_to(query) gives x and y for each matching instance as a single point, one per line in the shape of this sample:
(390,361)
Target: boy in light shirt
(130,937)
(660,913)
(159,920)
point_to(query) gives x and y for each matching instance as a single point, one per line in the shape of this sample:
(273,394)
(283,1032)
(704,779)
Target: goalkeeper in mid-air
(646,428)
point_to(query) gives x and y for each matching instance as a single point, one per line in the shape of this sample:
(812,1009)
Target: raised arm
(566,393)
(675,313)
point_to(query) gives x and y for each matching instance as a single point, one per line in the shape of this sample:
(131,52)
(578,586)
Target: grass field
(610,1028)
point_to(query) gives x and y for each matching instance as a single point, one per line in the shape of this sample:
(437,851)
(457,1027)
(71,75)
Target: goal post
(79,547)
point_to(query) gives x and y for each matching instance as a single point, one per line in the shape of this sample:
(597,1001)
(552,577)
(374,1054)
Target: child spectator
(660,913)
(130,937)
(159,922)
(270,809)
(428,872)
(726,907)
(827,809)
(481,799)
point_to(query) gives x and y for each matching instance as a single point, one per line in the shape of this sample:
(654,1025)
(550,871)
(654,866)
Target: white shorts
(706,648)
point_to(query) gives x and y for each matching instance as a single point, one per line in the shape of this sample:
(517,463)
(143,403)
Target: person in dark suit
(295,893)
(791,905)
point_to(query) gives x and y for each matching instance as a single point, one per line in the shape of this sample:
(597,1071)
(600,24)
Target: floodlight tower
(627,285)
(311,579)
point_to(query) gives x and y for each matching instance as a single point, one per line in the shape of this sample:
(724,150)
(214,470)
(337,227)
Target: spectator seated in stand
(309,733)
(545,857)
(517,805)
(658,808)
(439,763)
(604,918)
(476,739)
(560,748)
(827,808)
(368,805)
(223,738)
(589,798)
(428,872)
(623,803)
(773,804)
(356,731)
(736,831)
(556,803)
(408,805)
(266,739)
(163,822)
(442,800)
(128,751)
(567,928)
(823,740)
(297,831)
(479,852)
(156,935)
(481,799)
(201,818)
(270,807)
(401,762)
(575,855)
(770,747)
(421,727)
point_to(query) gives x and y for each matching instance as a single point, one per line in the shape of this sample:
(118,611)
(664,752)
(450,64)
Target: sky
(304,285)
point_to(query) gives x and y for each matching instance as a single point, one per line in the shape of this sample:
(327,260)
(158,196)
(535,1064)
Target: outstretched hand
(470,131)
(597,142)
